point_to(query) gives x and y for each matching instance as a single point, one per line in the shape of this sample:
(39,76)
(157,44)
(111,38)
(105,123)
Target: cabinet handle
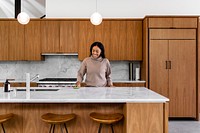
(168,64)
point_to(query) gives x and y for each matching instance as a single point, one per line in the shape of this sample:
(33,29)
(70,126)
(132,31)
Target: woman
(96,67)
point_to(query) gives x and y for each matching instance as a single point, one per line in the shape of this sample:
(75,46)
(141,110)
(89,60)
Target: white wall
(120,8)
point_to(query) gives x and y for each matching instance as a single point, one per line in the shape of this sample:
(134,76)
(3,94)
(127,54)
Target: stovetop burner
(58,79)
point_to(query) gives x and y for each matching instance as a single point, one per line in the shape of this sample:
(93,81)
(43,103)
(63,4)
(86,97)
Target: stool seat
(109,119)
(5,117)
(57,118)
(106,118)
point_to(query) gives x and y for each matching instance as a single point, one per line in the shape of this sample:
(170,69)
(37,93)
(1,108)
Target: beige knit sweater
(98,72)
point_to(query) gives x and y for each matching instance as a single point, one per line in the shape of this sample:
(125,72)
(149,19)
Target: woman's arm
(108,75)
(81,73)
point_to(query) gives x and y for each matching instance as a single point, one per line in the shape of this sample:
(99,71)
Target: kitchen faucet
(28,79)
(35,77)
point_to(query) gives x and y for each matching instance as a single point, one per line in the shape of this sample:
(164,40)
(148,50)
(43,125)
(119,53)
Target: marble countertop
(82,95)
(72,82)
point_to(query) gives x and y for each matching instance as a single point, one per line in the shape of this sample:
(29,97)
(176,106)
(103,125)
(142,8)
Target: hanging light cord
(96,5)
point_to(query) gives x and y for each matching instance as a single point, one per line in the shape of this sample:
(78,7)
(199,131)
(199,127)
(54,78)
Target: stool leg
(65,128)
(53,127)
(50,128)
(2,127)
(112,128)
(100,128)
(61,128)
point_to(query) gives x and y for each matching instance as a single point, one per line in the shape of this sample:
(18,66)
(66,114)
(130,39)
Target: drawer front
(173,34)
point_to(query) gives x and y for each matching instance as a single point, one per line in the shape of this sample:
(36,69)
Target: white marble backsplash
(56,66)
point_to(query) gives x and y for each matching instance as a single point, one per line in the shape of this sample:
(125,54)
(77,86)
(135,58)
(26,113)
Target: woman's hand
(78,84)
(111,86)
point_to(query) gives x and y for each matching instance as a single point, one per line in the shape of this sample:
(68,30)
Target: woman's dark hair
(100,45)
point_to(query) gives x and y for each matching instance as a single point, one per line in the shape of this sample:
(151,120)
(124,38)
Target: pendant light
(22,17)
(96,17)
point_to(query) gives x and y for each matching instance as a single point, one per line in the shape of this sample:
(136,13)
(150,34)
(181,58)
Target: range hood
(66,54)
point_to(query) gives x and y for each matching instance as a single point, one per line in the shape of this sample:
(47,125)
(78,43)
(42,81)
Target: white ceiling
(120,8)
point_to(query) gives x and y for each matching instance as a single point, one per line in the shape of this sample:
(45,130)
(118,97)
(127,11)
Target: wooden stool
(109,119)
(4,118)
(58,119)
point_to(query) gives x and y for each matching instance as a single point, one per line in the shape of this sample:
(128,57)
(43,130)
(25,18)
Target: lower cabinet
(129,84)
(172,73)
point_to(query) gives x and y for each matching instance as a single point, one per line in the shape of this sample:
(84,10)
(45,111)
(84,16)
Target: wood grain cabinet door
(86,38)
(118,44)
(103,35)
(158,73)
(50,33)
(182,78)
(32,41)
(4,40)
(160,22)
(16,41)
(185,22)
(172,73)
(69,36)
(173,22)
(134,40)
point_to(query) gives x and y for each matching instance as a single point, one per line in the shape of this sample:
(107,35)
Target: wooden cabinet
(118,40)
(60,36)
(50,36)
(122,39)
(172,43)
(129,84)
(173,74)
(86,38)
(134,40)
(21,84)
(69,36)
(172,33)
(4,40)
(16,41)
(19,42)
(103,35)
(172,22)
(32,41)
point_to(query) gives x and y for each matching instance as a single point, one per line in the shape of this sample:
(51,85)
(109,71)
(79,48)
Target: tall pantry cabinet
(172,63)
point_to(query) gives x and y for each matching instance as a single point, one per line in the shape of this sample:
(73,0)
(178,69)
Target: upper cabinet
(32,41)
(122,39)
(171,22)
(19,42)
(50,33)
(59,36)
(4,40)
(86,38)
(16,41)
(134,40)
(69,35)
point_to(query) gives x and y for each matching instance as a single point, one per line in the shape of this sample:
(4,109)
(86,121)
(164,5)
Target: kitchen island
(144,110)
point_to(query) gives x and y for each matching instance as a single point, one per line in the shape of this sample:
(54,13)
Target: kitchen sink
(37,89)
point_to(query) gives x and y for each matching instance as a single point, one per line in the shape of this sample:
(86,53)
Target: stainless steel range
(57,82)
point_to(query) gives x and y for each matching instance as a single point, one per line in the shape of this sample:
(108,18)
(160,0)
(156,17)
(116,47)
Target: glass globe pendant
(23,18)
(96,18)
